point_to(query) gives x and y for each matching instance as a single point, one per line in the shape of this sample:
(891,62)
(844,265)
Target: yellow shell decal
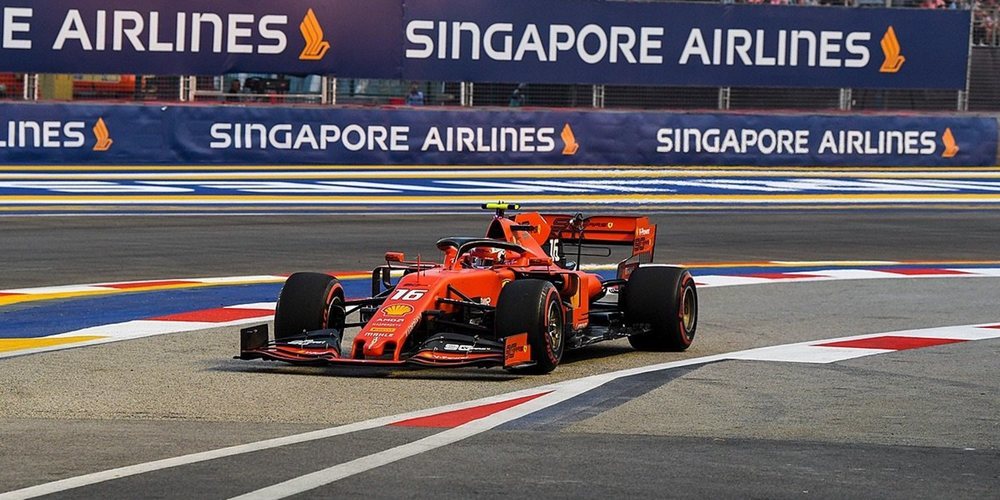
(398,310)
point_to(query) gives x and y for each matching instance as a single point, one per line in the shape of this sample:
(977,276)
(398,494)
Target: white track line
(803,352)
(337,472)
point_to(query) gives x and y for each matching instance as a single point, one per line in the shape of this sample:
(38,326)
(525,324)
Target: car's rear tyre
(663,301)
(309,302)
(533,307)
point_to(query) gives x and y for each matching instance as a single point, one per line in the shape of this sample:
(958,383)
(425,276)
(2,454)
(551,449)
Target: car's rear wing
(606,230)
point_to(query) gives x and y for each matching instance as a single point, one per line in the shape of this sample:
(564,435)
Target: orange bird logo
(950,146)
(103,136)
(312,32)
(571,146)
(890,48)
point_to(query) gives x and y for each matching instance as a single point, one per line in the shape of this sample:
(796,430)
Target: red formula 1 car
(508,299)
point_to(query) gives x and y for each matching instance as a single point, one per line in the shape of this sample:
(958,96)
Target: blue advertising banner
(685,44)
(234,135)
(552,41)
(183,37)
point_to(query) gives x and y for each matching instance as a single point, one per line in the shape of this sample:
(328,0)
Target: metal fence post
(846,99)
(30,92)
(963,95)
(465,99)
(186,90)
(724,98)
(328,90)
(598,96)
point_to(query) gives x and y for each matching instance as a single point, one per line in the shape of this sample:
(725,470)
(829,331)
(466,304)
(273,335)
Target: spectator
(984,23)
(415,97)
(518,96)
(234,91)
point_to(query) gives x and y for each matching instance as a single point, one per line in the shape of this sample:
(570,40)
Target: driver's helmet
(484,257)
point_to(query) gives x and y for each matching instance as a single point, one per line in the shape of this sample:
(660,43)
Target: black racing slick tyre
(533,307)
(663,301)
(308,302)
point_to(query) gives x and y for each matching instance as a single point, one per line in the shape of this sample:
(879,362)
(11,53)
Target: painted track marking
(74,190)
(814,351)
(244,314)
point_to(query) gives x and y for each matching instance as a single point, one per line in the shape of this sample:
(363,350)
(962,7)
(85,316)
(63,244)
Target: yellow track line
(18,344)
(36,297)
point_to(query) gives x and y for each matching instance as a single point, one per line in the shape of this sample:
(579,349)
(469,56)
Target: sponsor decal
(760,43)
(307,343)
(53,134)
(398,310)
(376,330)
(770,141)
(782,47)
(507,42)
(570,146)
(312,32)
(103,136)
(47,134)
(356,137)
(950,146)
(516,350)
(890,49)
(159,31)
(465,348)
(386,320)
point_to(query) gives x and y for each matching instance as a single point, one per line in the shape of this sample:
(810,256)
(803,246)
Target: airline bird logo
(890,48)
(103,136)
(950,146)
(312,32)
(571,146)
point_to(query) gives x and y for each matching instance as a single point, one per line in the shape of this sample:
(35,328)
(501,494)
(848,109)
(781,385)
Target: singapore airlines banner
(547,41)
(180,135)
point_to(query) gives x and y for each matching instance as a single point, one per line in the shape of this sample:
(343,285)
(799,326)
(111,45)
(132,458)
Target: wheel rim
(336,315)
(554,330)
(689,309)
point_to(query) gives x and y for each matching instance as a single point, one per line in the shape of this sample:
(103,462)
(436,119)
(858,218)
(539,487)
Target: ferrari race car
(510,299)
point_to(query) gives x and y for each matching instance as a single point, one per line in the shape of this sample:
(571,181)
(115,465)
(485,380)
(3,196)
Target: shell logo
(398,310)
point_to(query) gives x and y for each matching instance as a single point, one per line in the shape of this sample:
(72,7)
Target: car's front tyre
(534,307)
(309,302)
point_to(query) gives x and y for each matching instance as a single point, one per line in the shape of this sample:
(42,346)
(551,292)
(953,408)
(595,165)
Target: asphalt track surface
(921,423)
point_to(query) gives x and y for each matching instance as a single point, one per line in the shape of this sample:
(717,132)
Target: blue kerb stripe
(39,319)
